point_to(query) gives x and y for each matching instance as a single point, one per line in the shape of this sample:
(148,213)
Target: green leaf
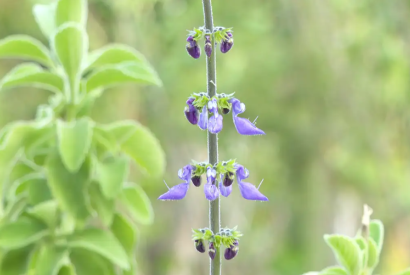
(50,259)
(105,139)
(334,270)
(347,252)
(376,229)
(67,270)
(114,55)
(103,206)
(88,263)
(45,18)
(74,141)
(69,188)
(71,11)
(101,242)
(141,145)
(46,212)
(125,233)
(119,74)
(70,44)
(373,254)
(25,47)
(21,233)
(363,248)
(137,204)
(405,272)
(32,75)
(38,190)
(111,175)
(14,209)
(15,262)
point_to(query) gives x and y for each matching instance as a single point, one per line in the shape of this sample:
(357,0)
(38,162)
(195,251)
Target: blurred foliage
(329,83)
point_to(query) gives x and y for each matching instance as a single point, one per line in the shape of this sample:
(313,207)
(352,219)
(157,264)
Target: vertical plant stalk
(214,207)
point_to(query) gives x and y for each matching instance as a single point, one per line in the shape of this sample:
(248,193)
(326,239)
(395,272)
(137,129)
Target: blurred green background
(330,83)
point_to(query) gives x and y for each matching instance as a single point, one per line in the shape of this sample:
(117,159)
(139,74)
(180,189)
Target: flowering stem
(214,210)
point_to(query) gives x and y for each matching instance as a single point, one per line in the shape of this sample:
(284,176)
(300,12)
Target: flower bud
(228,179)
(225,111)
(199,245)
(192,47)
(192,115)
(208,46)
(227,43)
(212,251)
(196,180)
(231,252)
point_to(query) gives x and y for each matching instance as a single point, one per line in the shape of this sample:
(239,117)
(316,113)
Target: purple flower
(248,190)
(243,125)
(210,189)
(232,251)
(192,47)
(212,251)
(203,119)
(196,180)
(199,245)
(227,43)
(215,121)
(208,46)
(191,112)
(224,190)
(179,191)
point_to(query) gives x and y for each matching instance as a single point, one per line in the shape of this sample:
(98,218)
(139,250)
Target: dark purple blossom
(192,47)
(199,245)
(243,125)
(228,179)
(232,251)
(208,46)
(203,119)
(215,121)
(212,251)
(179,191)
(196,180)
(227,43)
(210,189)
(191,112)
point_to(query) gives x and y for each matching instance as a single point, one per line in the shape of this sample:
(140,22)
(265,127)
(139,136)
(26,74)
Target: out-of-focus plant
(359,255)
(66,206)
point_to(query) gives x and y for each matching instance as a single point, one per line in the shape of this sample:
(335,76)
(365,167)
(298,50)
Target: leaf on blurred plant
(111,175)
(334,270)
(70,45)
(377,233)
(101,242)
(38,190)
(25,47)
(137,204)
(21,233)
(114,55)
(14,209)
(45,18)
(32,75)
(69,188)
(15,262)
(347,252)
(88,263)
(74,141)
(75,11)
(50,259)
(373,254)
(119,74)
(104,138)
(103,206)
(46,212)
(126,234)
(140,144)
(67,270)
(363,248)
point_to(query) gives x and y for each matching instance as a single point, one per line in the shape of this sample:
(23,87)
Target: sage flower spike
(179,191)
(243,125)
(215,121)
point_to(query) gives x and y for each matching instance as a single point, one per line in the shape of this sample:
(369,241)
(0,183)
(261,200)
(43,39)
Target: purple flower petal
(203,119)
(241,172)
(210,175)
(177,192)
(191,112)
(225,191)
(192,48)
(185,173)
(243,125)
(250,192)
(215,123)
(211,191)
(213,106)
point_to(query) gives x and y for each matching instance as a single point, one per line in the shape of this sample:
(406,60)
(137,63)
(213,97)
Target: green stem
(214,208)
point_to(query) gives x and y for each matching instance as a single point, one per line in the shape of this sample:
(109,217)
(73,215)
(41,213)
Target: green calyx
(220,33)
(225,236)
(221,167)
(202,99)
